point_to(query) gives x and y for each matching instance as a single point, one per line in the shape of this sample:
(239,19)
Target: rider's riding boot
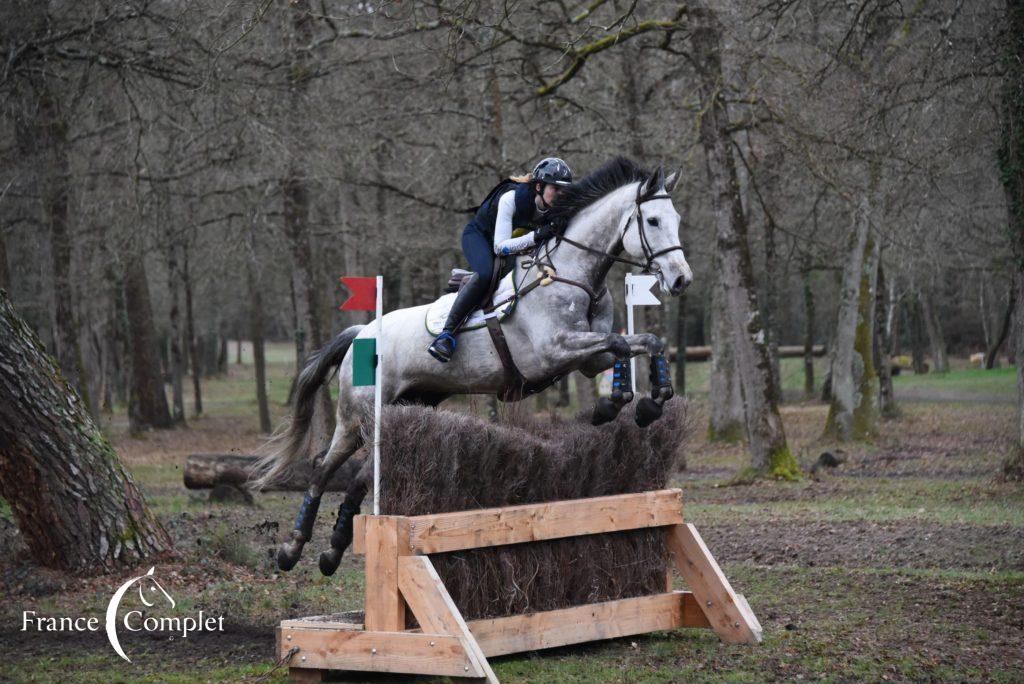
(443,346)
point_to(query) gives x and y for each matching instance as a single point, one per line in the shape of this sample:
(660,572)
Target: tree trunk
(883,349)
(50,132)
(295,191)
(680,360)
(256,334)
(174,289)
(727,421)
(936,339)
(75,504)
(1011,167)
(190,335)
(770,452)
(917,335)
(5,272)
(853,409)
(1004,330)
(147,403)
(808,331)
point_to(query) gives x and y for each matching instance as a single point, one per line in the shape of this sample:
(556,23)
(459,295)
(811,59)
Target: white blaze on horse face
(661,228)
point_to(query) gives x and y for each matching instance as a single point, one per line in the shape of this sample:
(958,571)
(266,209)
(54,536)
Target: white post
(376,395)
(638,293)
(629,330)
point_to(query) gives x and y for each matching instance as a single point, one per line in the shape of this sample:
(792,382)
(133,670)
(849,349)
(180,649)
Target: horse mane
(611,176)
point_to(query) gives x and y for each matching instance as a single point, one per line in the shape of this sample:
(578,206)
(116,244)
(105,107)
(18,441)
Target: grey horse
(556,329)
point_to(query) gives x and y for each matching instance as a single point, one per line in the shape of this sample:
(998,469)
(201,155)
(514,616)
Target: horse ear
(652,184)
(670,182)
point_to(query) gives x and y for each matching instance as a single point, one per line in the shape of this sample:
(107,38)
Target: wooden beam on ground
(434,609)
(443,532)
(399,652)
(729,615)
(606,620)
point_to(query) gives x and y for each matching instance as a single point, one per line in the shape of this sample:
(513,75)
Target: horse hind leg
(341,537)
(343,444)
(649,409)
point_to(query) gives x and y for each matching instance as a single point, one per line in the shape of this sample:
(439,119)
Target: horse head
(651,232)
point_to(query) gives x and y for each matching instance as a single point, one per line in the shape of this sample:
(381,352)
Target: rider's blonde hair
(526,178)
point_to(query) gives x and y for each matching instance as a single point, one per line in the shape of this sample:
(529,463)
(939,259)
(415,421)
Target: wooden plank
(710,587)
(299,674)
(433,607)
(386,539)
(398,652)
(443,532)
(606,620)
(359,534)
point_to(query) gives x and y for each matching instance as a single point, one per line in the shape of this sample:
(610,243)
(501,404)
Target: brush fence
(399,574)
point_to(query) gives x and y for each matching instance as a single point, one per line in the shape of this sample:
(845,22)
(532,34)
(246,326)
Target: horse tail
(293,442)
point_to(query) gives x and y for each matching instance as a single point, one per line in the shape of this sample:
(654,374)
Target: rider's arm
(504,243)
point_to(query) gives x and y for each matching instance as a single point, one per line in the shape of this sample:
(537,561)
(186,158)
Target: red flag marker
(364,294)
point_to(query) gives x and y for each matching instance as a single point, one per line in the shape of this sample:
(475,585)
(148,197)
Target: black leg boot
(341,537)
(443,346)
(288,553)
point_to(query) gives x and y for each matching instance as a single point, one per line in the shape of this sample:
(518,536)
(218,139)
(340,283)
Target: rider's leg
(481,259)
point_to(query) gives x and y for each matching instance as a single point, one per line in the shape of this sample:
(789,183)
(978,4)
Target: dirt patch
(868,544)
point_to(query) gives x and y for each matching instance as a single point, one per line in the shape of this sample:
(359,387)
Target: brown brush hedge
(439,461)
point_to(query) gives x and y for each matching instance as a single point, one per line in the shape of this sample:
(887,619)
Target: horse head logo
(143,580)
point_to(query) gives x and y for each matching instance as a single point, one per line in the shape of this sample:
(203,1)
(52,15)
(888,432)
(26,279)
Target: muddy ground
(903,563)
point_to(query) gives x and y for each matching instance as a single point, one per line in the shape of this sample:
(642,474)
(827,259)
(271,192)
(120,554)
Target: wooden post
(435,610)
(729,615)
(387,538)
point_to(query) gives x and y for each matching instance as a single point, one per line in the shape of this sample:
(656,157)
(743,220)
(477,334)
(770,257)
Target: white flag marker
(638,293)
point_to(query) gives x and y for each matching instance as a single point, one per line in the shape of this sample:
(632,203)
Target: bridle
(649,254)
(546,271)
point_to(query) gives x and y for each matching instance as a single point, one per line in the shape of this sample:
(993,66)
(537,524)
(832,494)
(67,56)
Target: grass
(939,596)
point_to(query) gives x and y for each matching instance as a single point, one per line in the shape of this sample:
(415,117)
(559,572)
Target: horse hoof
(647,411)
(329,561)
(604,412)
(288,555)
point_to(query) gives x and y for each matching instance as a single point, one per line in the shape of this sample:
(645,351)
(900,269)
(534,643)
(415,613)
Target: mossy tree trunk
(770,454)
(75,504)
(853,411)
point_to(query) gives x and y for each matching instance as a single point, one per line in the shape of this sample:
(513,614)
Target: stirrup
(441,351)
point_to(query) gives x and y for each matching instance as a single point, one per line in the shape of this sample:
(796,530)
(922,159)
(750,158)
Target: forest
(183,183)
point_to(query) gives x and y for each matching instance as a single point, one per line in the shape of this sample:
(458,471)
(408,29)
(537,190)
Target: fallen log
(206,471)
(785,352)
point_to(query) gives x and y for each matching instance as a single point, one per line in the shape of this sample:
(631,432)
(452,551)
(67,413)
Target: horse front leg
(648,409)
(585,350)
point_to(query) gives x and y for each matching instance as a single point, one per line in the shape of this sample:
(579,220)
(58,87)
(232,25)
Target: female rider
(516,202)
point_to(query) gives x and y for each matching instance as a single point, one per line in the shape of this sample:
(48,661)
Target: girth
(515,385)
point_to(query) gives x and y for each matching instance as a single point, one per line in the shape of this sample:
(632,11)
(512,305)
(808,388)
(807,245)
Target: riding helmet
(552,170)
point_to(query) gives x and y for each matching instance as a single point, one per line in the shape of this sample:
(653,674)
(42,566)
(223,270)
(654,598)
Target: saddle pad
(437,313)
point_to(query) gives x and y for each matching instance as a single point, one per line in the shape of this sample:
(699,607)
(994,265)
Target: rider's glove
(543,233)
